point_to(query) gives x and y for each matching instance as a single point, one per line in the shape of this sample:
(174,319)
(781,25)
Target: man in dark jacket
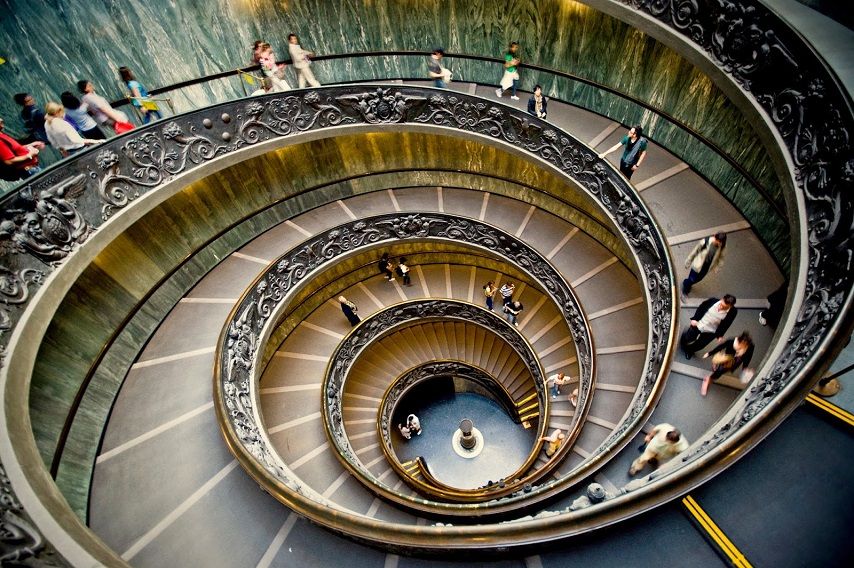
(711,320)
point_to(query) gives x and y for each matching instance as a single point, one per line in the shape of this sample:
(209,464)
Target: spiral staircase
(202,256)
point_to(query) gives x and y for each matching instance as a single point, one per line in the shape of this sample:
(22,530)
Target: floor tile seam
(152,433)
(176,513)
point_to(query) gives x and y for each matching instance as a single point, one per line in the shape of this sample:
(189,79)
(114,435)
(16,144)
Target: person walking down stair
(402,270)
(507,292)
(510,79)
(708,254)
(349,309)
(553,442)
(489,292)
(301,61)
(634,153)
(729,356)
(712,319)
(662,444)
(385,267)
(512,310)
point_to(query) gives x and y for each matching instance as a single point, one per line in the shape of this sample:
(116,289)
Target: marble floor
(506,444)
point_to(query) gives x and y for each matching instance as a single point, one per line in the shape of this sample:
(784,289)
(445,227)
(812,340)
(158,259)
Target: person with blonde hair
(553,442)
(61,134)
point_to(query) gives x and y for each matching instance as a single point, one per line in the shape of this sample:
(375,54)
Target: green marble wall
(236,200)
(170,41)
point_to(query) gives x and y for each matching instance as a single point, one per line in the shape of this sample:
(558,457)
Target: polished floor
(506,444)
(166,491)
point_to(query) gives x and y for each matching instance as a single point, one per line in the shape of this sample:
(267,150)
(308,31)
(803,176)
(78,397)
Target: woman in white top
(98,106)
(301,60)
(61,134)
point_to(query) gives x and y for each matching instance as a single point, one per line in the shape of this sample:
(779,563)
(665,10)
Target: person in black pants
(711,320)
(349,309)
(734,352)
(385,267)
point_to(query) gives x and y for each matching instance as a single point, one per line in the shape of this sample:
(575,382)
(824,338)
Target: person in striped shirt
(507,292)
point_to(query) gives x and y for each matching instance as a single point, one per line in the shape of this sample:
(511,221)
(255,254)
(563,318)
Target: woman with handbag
(101,110)
(729,356)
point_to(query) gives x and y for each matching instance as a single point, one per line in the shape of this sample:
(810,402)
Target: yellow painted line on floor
(831,408)
(714,531)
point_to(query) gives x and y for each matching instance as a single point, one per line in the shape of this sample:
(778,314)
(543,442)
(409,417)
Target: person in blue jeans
(435,70)
(139,93)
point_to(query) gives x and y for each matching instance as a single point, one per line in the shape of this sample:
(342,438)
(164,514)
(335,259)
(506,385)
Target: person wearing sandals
(729,356)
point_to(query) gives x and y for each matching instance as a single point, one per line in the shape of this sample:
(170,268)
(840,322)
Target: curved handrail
(160,152)
(484,59)
(384,323)
(422,372)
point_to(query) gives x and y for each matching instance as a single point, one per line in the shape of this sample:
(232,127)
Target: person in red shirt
(18,160)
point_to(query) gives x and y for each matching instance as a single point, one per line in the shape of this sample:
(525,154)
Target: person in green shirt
(634,152)
(510,79)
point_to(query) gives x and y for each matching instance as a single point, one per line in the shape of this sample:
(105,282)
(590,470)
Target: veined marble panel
(51,46)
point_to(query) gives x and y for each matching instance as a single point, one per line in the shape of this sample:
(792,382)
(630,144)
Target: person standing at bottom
(708,254)
(510,79)
(413,424)
(402,270)
(662,444)
(489,292)
(512,310)
(301,60)
(634,153)
(349,309)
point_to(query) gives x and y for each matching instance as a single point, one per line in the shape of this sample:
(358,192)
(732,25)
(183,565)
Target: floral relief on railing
(812,114)
(389,320)
(240,353)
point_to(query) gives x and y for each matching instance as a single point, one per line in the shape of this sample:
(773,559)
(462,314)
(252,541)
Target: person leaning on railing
(101,109)
(61,134)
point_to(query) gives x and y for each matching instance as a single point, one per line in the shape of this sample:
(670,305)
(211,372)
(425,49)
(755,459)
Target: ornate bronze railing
(76,201)
(382,324)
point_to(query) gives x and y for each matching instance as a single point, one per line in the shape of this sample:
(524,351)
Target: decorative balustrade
(386,322)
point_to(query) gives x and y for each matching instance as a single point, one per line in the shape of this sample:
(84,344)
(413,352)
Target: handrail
(387,322)
(778,210)
(424,372)
(821,306)
(216,133)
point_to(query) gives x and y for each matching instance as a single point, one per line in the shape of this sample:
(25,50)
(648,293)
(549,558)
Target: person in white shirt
(301,62)
(711,320)
(662,444)
(61,134)
(266,87)
(402,270)
(555,382)
(413,424)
